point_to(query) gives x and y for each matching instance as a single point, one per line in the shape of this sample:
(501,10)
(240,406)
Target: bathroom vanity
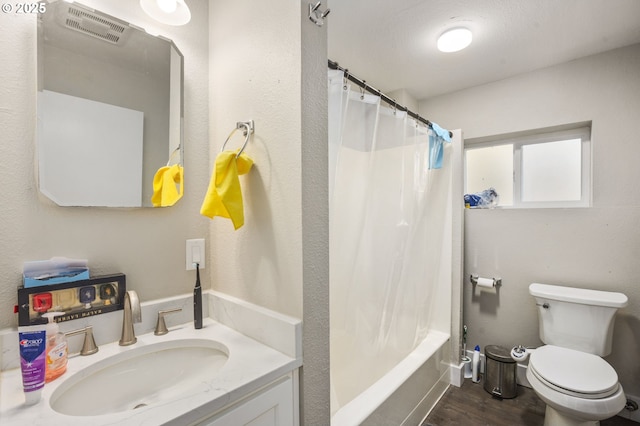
(217,375)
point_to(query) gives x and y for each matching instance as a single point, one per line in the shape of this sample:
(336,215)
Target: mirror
(110,108)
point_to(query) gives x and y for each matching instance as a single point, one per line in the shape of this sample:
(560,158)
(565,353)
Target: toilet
(568,373)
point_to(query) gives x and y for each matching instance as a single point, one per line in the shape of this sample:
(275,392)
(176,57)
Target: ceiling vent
(95,25)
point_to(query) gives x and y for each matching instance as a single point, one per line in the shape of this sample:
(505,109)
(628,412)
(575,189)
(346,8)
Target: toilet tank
(577,318)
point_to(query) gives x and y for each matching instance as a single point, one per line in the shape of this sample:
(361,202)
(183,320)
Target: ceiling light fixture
(454,39)
(170,12)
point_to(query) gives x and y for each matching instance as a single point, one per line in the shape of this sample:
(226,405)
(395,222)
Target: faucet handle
(161,326)
(89,346)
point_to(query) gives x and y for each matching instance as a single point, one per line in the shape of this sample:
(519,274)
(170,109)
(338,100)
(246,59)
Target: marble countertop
(250,366)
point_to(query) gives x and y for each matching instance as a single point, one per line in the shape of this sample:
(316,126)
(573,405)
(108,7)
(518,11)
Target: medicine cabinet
(110,108)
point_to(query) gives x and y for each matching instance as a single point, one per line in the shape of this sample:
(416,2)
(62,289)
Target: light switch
(195,253)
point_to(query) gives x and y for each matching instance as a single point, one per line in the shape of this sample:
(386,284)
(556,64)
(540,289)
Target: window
(550,169)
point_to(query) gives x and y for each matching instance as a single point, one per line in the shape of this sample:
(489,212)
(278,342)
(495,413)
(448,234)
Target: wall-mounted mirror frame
(110,108)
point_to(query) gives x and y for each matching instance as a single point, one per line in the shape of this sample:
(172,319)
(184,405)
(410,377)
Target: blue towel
(437,136)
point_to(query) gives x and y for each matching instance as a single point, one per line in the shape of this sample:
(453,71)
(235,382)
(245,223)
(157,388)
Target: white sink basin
(140,376)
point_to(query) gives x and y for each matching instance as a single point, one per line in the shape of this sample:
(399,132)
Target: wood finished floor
(471,405)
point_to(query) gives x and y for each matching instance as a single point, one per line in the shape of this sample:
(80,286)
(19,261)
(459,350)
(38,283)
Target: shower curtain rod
(392,102)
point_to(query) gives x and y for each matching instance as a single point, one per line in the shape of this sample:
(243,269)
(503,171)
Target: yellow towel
(224,196)
(165,192)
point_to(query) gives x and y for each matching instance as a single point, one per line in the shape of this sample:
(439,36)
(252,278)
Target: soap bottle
(56,359)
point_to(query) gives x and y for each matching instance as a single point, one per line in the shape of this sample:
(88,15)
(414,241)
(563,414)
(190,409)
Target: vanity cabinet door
(271,407)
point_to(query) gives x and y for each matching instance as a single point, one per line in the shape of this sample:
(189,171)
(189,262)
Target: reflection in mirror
(109,109)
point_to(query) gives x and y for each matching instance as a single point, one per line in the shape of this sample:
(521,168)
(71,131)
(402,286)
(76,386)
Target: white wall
(594,247)
(255,74)
(148,245)
(267,65)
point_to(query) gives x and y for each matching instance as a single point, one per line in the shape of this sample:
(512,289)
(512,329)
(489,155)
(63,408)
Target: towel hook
(317,16)
(248,129)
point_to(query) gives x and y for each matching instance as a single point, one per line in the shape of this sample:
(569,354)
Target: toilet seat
(574,373)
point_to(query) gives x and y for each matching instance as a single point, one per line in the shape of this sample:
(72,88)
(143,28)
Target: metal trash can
(499,372)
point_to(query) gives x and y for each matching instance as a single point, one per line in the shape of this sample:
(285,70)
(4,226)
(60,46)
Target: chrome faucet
(132,314)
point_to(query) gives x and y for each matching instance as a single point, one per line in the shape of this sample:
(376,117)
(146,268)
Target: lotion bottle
(56,352)
(475,377)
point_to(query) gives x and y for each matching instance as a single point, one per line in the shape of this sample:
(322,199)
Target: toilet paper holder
(497,282)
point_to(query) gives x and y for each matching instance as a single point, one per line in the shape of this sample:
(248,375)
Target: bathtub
(404,395)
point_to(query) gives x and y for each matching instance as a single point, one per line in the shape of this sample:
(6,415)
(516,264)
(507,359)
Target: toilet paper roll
(485,282)
(484,285)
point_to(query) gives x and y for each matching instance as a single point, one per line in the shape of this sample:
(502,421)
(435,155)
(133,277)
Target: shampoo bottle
(56,349)
(475,377)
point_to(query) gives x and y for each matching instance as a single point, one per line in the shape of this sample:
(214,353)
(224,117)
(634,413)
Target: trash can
(499,372)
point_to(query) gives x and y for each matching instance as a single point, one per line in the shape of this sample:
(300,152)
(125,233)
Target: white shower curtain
(385,236)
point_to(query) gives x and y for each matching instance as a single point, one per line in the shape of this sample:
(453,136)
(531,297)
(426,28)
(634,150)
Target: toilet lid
(573,372)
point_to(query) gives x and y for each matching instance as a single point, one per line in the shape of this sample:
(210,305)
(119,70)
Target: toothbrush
(197,300)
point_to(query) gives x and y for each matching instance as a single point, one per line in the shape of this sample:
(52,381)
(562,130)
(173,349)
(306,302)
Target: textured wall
(315,382)
(593,247)
(255,74)
(268,64)
(147,245)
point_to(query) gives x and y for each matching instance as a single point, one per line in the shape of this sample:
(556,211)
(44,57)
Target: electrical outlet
(195,253)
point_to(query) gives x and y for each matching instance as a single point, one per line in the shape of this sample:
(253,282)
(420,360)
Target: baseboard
(521,376)
(456,376)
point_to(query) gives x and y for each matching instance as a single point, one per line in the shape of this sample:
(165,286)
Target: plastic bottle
(32,361)
(475,377)
(56,349)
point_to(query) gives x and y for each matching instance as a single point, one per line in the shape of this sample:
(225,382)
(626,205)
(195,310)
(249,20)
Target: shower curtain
(385,238)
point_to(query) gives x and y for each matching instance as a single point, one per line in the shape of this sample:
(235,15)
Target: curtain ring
(363,89)
(345,80)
